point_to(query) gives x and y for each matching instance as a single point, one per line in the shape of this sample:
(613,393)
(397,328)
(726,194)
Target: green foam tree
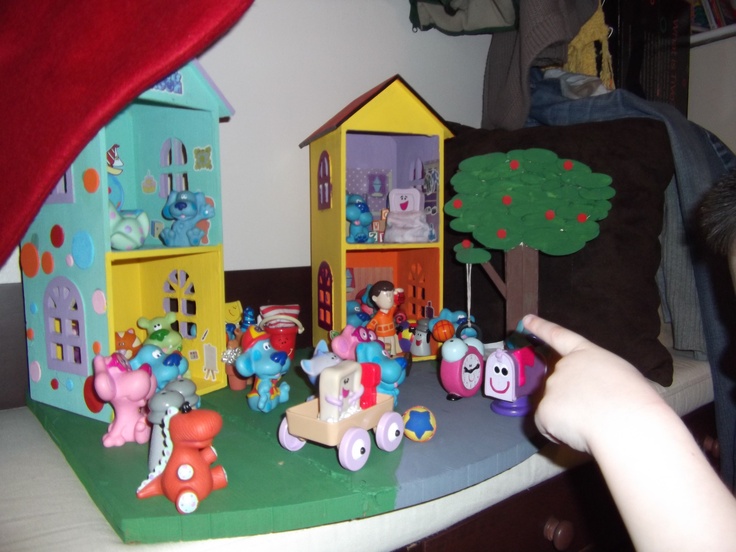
(523,202)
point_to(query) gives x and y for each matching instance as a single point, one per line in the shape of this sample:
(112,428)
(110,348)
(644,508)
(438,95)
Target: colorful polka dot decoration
(526,196)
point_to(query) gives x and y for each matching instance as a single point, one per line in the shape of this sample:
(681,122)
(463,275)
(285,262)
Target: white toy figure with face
(420,340)
(500,378)
(340,390)
(408,199)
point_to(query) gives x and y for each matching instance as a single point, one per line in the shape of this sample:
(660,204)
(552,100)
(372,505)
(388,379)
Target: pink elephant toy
(128,391)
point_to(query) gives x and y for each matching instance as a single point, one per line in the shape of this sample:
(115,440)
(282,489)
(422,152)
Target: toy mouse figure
(384,297)
(185,475)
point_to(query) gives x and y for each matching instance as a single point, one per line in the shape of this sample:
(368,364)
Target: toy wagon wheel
(389,431)
(354,448)
(283,317)
(287,440)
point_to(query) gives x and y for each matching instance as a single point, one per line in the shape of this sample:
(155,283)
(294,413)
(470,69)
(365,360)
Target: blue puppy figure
(267,365)
(186,209)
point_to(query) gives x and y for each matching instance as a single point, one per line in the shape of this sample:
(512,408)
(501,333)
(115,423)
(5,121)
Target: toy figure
(166,367)
(127,343)
(393,371)
(261,360)
(355,314)
(338,417)
(321,359)
(128,229)
(186,209)
(344,344)
(461,369)
(359,216)
(161,333)
(128,392)
(158,407)
(384,297)
(420,339)
(340,391)
(185,475)
(510,377)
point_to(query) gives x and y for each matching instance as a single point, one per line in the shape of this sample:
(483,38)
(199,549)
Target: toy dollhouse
(94,261)
(376,170)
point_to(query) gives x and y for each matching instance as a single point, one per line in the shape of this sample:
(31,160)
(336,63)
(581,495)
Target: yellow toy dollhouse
(96,258)
(376,170)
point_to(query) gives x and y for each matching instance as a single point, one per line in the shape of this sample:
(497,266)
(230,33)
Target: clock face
(470,370)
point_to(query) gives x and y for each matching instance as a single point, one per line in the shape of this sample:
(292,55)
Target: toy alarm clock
(461,369)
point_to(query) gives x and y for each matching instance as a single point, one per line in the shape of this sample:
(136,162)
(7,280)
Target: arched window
(324,182)
(324,297)
(65,332)
(181,297)
(173,158)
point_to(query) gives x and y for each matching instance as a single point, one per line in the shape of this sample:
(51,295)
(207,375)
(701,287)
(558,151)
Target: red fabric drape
(66,69)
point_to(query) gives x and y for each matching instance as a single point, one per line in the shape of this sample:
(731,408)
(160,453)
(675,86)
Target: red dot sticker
(466,244)
(501,233)
(549,215)
(582,217)
(514,164)
(568,165)
(57,235)
(93,402)
(506,200)
(457,204)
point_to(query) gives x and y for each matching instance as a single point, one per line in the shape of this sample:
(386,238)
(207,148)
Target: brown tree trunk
(521,287)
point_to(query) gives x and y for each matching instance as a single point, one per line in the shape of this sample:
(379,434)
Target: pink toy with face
(128,391)
(510,377)
(344,345)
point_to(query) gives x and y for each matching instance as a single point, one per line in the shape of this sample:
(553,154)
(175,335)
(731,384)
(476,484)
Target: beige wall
(713,88)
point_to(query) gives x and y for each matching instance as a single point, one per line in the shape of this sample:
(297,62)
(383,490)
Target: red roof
(357,104)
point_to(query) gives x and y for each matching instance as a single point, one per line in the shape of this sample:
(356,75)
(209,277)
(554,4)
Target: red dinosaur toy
(185,475)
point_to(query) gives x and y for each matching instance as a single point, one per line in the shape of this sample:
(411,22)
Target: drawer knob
(559,533)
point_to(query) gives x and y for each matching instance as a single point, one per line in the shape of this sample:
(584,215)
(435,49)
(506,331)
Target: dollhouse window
(174,177)
(324,182)
(66,349)
(416,296)
(324,297)
(63,192)
(180,297)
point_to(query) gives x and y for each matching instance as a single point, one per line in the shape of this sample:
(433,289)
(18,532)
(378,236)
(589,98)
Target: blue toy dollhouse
(131,231)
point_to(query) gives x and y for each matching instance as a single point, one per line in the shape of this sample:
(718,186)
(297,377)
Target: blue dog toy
(393,371)
(186,209)
(359,216)
(261,360)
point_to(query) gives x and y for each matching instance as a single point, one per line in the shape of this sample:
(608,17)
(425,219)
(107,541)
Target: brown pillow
(606,291)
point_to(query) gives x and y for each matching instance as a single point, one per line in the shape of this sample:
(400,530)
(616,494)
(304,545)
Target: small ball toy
(443,330)
(420,424)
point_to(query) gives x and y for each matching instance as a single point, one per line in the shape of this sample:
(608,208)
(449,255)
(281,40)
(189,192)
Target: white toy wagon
(342,416)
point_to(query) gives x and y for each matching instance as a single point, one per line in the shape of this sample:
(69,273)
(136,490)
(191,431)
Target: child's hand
(586,388)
